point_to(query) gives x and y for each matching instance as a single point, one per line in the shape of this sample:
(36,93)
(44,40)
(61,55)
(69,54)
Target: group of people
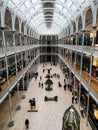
(56,75)
(41,84)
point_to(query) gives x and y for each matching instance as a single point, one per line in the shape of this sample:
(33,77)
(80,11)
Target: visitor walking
(27,123)
(73,99)
(42,85)
(40,78)
(39,84)
(64,80)
(65,86)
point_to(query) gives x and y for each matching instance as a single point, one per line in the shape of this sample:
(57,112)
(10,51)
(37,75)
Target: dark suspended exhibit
(71,119)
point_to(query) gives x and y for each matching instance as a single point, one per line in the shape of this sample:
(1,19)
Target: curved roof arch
(60,14)
(64,10)
(33,5)
(48,17)
(56,29)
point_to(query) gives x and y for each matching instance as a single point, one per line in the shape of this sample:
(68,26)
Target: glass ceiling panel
(31,11)
(81,1)
(63,12)
(33,1)
(37,7)
(28,3)
(62,1)
(23,8)
(68,3)
(73,7)
(10,4)
(44,31)
(16,1)
(58,6)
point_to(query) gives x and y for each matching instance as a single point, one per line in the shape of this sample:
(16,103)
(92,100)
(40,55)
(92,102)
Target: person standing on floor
(39,84)
(27,123)
(64,80)
(65,86)
(43,70)
(72,99)
(42,85)
(40,78)
(76,99)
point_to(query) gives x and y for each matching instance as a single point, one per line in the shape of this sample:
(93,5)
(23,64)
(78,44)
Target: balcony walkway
(50,113)
(84,74)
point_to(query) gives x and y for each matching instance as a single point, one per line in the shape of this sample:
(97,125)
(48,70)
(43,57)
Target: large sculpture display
(48,84)
(71,119)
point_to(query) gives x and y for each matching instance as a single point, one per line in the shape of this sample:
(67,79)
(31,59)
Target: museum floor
(50,113)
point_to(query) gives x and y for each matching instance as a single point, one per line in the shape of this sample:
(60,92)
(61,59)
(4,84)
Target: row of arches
(14,23)
(88,17)
(86,21)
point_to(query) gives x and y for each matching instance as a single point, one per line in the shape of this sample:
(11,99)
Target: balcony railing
(84,49)
(14,82)
(93,93)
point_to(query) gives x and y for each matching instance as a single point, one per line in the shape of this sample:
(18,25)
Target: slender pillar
(94,31)
(18,97)
(11,120)
(81,68)
(71,56)
(21,51)
(79,94)
(74,86)
(90,75)
(26,58)
(75,59)
(81,63)
(75,51)
(83,35)
(76,39)
(23,95)
(18,105)
(80,80)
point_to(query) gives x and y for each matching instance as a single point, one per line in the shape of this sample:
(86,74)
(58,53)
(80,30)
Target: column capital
(94,27)
(25,35)
(77,33)
(72,34)
(20,33)
(83,30)
(13,31)
(2,28)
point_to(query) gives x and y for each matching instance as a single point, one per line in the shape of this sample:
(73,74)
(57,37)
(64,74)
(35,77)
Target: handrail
(84,49)
(12,85)
(93,93)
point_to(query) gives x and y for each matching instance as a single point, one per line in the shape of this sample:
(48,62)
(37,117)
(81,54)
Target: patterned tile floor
(50,113)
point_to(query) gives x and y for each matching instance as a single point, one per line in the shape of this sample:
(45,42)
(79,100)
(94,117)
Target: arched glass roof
(48,16)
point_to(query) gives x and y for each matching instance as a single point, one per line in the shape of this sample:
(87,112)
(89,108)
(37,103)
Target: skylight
(50,14)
